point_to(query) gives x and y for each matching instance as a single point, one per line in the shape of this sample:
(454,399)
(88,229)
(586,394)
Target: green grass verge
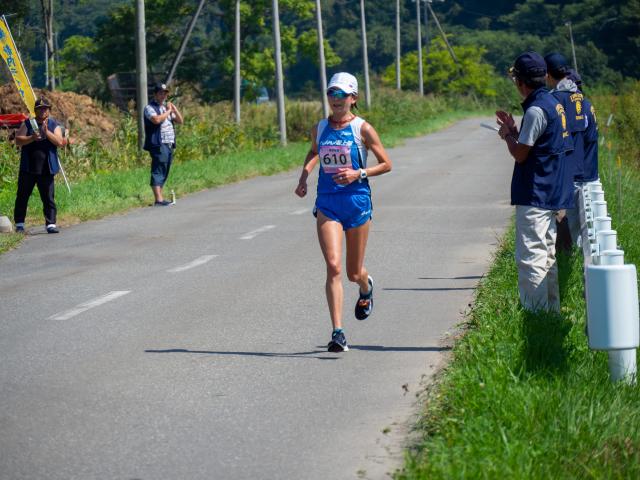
(524,397)
(109,192)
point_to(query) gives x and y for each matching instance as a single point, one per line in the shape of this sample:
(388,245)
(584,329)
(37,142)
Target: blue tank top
(337,149)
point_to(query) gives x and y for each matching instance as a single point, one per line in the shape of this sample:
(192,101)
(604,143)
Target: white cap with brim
(345,82)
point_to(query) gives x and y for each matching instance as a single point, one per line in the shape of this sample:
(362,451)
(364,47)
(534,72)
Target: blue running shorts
(348,209)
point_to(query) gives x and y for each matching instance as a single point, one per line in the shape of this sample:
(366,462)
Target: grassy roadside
(109,192)
(524,397)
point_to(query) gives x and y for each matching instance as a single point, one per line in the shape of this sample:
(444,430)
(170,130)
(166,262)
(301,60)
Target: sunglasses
(337,94)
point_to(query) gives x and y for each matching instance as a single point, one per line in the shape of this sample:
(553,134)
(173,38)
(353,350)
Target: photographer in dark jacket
(38,165)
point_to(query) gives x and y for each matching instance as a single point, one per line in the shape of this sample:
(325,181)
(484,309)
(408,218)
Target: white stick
(490,127)
(64,175)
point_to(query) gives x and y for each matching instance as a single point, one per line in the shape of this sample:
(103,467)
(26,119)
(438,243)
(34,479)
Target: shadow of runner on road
(470,277)
(311,354)
(435,289)
(382,348)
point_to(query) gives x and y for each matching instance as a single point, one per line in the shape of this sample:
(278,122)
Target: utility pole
(185,39)
(426,27)
(444,37)
(365,56)
(573,48)
(282,122)
(420,76)
(141,70)
(236,77)
(46,64)
(323,68)
(398,49)
(47,17)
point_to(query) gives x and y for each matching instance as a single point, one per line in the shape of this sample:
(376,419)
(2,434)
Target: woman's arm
(372,141)
(310,162)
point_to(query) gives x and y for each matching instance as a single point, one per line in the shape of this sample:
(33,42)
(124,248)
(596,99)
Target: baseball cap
(160,87)
(557,64)
(42,103)
(345,82)
(529,65)
(575,77)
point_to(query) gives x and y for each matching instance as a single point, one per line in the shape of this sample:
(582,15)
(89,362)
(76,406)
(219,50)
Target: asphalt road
(189,342)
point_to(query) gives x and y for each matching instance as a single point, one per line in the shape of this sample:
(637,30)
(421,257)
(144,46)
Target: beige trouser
(536,258)
(573,215)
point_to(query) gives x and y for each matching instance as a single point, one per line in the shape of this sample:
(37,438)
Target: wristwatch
(363,174)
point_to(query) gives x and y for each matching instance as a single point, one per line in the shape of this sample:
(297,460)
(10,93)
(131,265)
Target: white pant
(536,258)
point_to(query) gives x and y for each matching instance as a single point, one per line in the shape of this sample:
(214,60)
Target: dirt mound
(84,118)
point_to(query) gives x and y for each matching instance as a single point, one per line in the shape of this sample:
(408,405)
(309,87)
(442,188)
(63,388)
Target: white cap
(345,82)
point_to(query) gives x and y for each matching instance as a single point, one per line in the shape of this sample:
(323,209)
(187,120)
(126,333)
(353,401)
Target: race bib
(335,157)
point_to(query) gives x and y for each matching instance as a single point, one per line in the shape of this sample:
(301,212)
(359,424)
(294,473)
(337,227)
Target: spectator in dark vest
(590,165)
(567,92)
(542,182)
(160,138)
(38,165)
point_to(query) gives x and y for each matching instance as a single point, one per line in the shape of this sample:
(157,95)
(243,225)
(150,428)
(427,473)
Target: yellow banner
(9,52)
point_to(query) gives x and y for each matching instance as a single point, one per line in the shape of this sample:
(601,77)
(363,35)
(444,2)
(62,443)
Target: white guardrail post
(611,287)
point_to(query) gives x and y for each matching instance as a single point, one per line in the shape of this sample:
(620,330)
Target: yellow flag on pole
(9,52)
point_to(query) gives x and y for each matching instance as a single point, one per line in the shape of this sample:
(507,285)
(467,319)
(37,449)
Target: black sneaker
(52,229)
(162,203)
(19,229)
(364,305)
(338,343)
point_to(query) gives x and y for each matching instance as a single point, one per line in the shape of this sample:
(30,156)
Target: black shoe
(19,229)
(162,203)
(338,343)
(364,305)
(52,229)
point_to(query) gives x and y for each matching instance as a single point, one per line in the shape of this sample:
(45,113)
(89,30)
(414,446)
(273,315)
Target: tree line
(95,38)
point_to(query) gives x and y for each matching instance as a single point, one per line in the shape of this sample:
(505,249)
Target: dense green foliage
(470,77)
(524,396)
(99,36)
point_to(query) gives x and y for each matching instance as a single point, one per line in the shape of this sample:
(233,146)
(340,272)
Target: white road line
(196,263)
(83,307)
(301,211)
(256,232)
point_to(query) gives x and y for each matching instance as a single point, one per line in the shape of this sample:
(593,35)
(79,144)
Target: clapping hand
(507,124)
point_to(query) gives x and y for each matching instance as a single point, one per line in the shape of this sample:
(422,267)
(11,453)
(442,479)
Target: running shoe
(52,229)
(338,343)
(364,305)
(19,229)
(162,203)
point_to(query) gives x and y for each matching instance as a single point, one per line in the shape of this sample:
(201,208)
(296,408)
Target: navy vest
(51,149)
(545,179)
(152,138)
(590,171)
(573,103)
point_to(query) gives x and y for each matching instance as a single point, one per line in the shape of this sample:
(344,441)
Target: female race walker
(343,203)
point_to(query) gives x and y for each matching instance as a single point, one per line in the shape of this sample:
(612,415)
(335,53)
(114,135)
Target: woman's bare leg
(356,245)
(330,237)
